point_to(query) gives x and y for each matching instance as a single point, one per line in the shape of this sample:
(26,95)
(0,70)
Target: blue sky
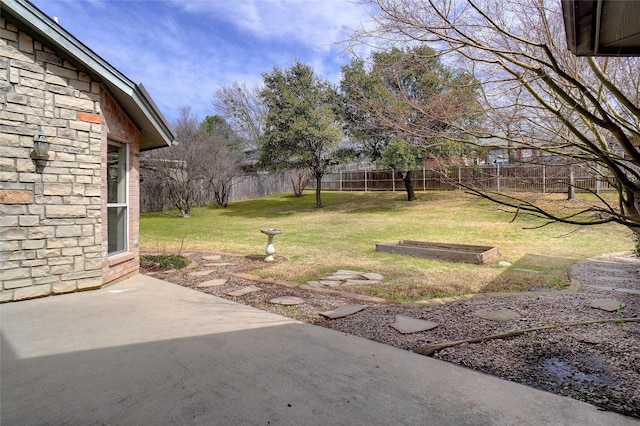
(183,50)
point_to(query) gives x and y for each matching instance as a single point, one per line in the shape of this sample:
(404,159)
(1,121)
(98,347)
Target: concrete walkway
(148,352)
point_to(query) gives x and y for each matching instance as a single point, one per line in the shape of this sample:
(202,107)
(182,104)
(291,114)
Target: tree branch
(431,349)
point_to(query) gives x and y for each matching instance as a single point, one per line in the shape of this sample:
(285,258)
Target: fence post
(239,191)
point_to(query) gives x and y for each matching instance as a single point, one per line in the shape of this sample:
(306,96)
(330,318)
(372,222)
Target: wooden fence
(531,178)
(250,185)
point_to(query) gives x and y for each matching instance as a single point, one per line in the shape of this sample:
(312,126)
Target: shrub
(174,261)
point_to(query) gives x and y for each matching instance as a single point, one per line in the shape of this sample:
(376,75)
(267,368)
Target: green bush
(166,260)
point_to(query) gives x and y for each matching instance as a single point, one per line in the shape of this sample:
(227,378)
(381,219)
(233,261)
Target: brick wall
(51,214)
(120,128)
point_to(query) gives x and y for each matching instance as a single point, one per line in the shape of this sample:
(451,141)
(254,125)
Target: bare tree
(584,109)
(224,153)
(174,168)
(299,181)
(243,109)
(200,162)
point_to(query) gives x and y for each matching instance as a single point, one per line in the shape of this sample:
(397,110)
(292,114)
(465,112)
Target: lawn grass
(343,234)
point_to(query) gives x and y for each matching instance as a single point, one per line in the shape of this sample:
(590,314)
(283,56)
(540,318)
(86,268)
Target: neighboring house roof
(134,98)
(602,27)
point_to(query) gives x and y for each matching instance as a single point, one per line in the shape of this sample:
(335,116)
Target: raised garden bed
(441,251)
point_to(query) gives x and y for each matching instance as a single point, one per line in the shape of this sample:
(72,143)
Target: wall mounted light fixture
(40,153)
(40,145)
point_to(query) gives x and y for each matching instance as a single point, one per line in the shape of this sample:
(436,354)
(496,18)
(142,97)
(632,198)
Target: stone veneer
(53,215)
(119,127)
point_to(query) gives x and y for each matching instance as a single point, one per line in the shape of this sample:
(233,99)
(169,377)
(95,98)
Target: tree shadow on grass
(534,273)
(285,206)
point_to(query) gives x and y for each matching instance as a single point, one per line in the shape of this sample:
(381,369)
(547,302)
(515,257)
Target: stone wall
(119,127)
(51,212)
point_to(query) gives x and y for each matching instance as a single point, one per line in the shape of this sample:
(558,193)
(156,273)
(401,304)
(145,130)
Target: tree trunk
(299,180)
(571,193)
(406,178)
(318,188)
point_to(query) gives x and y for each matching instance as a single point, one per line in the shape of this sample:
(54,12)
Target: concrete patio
(145,351)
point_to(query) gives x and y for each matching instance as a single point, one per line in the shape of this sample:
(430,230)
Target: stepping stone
(358,282)
(406,325)
(244,290)
(373,276)
(343,311)
(609,305)
(497,314)
(216,265)
(341,277)
(315,284)
(606,269)
(628,291)
(212,258)
(330,283)
(213,283)
(200,273)
(347,272)
(611,280)
(625,259)
(618,289)
(287,300)
(603,287)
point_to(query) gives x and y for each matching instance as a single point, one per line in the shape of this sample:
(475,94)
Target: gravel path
(598,363)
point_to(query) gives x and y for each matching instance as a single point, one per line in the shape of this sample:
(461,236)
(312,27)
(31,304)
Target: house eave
(602,27)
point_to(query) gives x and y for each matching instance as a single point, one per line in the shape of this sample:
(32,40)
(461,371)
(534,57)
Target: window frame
(124,186)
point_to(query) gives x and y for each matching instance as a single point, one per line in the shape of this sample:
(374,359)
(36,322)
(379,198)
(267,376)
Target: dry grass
(344,233)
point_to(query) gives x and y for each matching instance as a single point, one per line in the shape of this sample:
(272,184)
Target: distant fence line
(531,178)
(250,185)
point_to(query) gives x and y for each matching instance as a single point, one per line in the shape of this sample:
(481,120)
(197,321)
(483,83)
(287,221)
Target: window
(117,197)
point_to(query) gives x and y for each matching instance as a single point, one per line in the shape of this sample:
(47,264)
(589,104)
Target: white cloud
(182,51)
(317,24)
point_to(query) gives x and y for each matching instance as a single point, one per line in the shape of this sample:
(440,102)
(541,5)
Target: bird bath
(270,249)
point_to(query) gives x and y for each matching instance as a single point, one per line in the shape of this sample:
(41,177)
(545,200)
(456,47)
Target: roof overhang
(156,132)
(602,27)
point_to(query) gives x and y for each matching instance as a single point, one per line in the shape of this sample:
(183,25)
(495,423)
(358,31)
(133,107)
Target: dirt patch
(596,363)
